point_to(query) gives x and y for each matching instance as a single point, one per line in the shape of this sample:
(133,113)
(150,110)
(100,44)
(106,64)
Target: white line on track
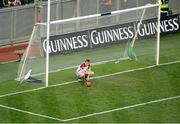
(97,77)
(93,114)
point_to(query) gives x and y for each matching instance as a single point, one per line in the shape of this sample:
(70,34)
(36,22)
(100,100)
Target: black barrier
(99,37)
(170,24)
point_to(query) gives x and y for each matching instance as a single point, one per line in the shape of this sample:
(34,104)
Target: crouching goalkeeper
(84,70)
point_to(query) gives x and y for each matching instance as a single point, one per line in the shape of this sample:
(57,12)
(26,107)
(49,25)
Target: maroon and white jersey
(83,67)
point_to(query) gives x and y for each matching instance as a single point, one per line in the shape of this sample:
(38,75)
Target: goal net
(128,36)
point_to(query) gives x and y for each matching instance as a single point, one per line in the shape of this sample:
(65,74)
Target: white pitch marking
(30,113)
(122,108)
(37,89)
(20,92)
(97,77)
(93,114)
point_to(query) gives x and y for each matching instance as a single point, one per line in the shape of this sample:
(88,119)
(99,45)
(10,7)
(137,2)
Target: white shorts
(78,72)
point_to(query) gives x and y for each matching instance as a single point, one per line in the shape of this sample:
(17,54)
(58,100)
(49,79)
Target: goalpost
(47,44)
(100,37)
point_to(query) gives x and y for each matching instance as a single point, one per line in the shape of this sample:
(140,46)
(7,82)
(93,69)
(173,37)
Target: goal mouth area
(99,38)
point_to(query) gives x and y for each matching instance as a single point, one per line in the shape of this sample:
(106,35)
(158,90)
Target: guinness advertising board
(99,37)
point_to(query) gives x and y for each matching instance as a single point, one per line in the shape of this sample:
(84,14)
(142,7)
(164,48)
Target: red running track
(7,53)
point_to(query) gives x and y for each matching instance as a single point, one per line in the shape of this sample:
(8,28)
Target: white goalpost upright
(41,45)
(47,43)
(158,33)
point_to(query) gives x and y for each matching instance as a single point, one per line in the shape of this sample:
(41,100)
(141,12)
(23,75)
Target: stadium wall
(17,22)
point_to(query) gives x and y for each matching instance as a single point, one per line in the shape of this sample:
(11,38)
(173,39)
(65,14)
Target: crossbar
(101,14)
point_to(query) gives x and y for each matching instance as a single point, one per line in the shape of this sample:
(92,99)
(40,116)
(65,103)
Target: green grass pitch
(107,93)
